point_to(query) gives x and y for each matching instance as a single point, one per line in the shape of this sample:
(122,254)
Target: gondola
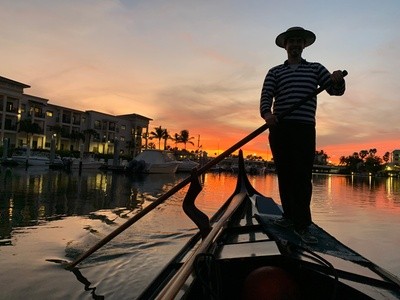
(240,253)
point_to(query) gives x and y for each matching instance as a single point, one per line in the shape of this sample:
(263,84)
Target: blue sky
(200,65)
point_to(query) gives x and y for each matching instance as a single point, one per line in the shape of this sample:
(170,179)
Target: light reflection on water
(50,214)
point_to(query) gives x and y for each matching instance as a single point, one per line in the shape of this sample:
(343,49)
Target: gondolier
(292,139)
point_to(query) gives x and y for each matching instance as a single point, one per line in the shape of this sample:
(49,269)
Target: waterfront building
(67,128)
(395,157)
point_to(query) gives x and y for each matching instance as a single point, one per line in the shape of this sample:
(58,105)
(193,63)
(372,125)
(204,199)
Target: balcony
(10,127)
(40,115)
(37,115)
(12,109)
(66,120)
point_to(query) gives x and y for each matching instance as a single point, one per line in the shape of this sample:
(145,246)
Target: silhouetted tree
(386,157)
(158,133)
(363,154)
(77,136)
(29,128)
(151,145)
(320,158)
(176,138)
(165,137)
(184,138)
(89,134)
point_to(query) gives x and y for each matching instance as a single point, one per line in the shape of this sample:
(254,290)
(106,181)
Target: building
(395,157)
(31,120)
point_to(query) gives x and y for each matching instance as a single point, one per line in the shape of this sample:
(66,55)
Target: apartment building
(71,129)
(395,157)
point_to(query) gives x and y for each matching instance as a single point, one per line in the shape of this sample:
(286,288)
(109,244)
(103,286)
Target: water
(54,215)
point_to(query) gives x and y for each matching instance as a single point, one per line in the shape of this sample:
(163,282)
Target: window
(97,124)
(49,114)
(123,127)
(10,107)
(111,126)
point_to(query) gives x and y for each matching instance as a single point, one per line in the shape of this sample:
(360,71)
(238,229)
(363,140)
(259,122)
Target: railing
(10,127)
(12,110)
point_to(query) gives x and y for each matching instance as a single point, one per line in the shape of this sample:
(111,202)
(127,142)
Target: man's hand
(337,78)
(270,119)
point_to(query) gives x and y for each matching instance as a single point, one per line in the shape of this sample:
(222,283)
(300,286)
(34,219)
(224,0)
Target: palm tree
(59,131)
(89,133)
(386,157)
(158,133)
(151,145)
(29,128)
(76,136)
(321,157)
(372,152)
(342,160)
(176,138)
(165,137)
(363,154)
(184,138)
(131,147)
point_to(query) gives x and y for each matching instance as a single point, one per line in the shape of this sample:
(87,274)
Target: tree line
(365,161)
(160,134)
(362,161)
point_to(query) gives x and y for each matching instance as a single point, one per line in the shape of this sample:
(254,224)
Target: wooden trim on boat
(173,287)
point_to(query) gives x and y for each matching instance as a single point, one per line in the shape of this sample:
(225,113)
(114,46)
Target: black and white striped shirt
(285,86)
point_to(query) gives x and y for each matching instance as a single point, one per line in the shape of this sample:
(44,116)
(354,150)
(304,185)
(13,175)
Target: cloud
(199,65)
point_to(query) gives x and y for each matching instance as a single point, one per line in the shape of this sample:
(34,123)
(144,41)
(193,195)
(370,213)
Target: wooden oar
(184,182)
(165,196)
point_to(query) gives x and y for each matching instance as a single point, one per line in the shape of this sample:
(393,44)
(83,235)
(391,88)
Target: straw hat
(308,36)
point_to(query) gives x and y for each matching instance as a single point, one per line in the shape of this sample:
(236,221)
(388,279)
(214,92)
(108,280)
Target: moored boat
(27,157)
(155,162)
(240,254)
(187,165)
(86,162)
(30,158)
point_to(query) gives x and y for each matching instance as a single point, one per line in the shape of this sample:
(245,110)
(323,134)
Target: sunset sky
(200,65)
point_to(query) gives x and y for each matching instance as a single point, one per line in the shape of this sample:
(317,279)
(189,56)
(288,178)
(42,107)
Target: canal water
(52,215)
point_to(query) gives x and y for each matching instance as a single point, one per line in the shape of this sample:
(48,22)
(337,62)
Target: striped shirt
(285,86)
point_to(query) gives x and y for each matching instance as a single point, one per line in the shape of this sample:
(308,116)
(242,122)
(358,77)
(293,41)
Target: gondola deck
(326,243)
(247,240)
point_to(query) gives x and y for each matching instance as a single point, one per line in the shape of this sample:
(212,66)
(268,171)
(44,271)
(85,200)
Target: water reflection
(367,191)
(87,284)
(28,197)
(361,212)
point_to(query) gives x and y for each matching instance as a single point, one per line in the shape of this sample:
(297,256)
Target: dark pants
(293,149)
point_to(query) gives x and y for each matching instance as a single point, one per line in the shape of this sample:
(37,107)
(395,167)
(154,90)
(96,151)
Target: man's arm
(338,83)
(267,94)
